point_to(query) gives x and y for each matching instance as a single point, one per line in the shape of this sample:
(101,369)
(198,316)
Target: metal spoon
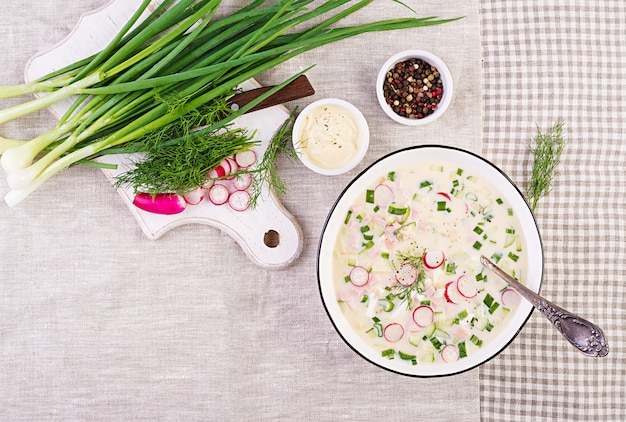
(582,334)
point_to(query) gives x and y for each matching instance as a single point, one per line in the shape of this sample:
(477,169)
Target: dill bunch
(177,158)
(183,167)
(546,156)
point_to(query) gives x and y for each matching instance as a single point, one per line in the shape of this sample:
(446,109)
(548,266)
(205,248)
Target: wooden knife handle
(299,88)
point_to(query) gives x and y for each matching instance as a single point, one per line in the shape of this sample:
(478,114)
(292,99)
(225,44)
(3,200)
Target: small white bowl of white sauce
(330,136)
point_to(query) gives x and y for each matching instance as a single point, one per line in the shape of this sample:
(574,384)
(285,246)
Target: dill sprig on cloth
(547,152)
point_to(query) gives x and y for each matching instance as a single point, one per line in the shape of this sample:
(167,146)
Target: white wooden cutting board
(268,234)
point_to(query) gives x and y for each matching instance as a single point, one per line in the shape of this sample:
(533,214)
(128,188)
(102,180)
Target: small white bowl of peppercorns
(414,87)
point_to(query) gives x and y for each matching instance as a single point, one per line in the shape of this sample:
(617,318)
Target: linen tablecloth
(98,322)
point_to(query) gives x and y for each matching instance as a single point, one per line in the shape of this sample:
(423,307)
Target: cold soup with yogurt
(406,266)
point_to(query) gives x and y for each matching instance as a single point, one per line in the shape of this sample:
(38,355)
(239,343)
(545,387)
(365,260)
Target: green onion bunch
(181,50)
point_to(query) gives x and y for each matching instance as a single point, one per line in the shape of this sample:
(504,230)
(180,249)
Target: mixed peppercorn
(413,88)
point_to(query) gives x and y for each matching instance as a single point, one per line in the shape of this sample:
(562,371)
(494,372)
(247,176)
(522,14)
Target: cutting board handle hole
(271,239)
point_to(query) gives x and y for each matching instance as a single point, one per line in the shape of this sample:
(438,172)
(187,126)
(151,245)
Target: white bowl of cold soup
(330,136)
(399,261)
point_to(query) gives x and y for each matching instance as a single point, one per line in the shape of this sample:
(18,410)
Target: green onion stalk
(159,71)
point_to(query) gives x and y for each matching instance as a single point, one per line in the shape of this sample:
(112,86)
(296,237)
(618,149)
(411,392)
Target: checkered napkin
(545,61)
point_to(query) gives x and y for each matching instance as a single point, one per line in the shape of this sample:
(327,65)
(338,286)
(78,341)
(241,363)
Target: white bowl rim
(361,121)
(434,60)
(533,244)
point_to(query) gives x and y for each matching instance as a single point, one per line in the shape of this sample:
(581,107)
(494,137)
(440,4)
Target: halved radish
(239,200)
(383,195)
(434,259)
(243,181)
(450,353)
(466,287)
(359,276)
(195,197)
(406,274)
(218,194)
(510,298)
(423,316)
(161,203)
(393,332)
(245,159)
(451,293)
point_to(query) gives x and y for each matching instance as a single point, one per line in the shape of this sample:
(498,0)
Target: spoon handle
(582,334)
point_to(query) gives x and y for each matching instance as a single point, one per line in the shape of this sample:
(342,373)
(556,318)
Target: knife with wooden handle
(299,88)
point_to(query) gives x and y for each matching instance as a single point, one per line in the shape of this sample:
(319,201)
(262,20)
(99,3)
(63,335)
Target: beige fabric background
(97,322)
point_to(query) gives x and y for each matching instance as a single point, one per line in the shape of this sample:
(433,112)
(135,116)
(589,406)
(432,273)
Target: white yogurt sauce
(407,271)
(330,137)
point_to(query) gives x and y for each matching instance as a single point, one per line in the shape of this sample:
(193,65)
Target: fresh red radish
(450,353)
(218,194)
(406,274)
(208,184)
(359,276)
(161,203)
(245,159)
(383,195)
(242,181)
(451,293)
(222,170)
(510,298)
(445,195)
(239,200)
(227,183)
(225,164)
(466,287)
(446,291)
(233,167)
(434,259)
(195,197)
(393,332)
(233,164)
(423,316)
(217,173)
